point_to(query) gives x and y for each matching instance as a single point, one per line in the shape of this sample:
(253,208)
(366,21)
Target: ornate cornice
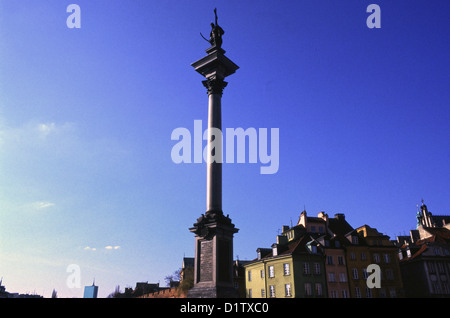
(215,85)
(207,224)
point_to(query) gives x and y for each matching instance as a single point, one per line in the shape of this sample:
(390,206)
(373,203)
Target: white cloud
(109,247)
(45,129)
(42,205)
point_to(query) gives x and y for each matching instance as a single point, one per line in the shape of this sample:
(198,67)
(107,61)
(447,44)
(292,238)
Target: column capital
(215,85)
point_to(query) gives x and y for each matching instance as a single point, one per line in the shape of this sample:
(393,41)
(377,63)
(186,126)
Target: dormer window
(274,250)
(355,240)
(313,249)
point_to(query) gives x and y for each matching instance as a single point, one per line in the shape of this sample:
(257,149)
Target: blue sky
(86,117)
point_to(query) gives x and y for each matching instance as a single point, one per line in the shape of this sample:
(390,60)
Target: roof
(315,219)
(441,220)
(339,226)
(437,235)
(295,247)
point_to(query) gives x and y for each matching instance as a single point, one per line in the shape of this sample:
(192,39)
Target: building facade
(382,252)
(335,265)
(291,269)
(324,257)
(90,291)
(425,256)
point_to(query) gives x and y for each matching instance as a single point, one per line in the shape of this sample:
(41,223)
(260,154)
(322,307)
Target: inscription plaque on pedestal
(206,266)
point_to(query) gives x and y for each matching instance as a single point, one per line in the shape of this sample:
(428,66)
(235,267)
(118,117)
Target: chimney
(339,216)
(303,219)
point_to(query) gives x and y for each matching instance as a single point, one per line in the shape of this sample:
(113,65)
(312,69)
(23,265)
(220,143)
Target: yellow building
(289,269)
(384,253)
(368,246)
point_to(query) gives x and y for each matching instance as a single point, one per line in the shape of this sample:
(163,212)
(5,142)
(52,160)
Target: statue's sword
(205,38)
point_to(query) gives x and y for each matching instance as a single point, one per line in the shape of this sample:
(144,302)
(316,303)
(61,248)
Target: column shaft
(214,167)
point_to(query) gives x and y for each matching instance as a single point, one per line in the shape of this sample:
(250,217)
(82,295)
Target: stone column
(214,168)
(213,267)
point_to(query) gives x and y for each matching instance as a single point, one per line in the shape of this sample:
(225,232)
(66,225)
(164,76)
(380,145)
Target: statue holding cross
(215,36)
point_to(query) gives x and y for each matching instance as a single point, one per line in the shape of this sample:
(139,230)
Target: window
(382,293)
(331,277)
(318,289)
(321,229)
(345,293)
(352,256)
(355,273)
(308,289)
(435,288)
(316,268)
(271,271)
(355,240)
(250,293)
(263,293)
(287,290)
(306,269)
(341,260)
(445,288)
(363,256)
(313,229)
(286,269)
(272,291)
(290,235)
(376,258)
(330,260)
(333,294)
(357,292)
(392,293)
(431,267)
(342,277)
(441,268)
(249,276)
(368,292)
(365,275)
(389,274)
(387,259)
(262,273)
